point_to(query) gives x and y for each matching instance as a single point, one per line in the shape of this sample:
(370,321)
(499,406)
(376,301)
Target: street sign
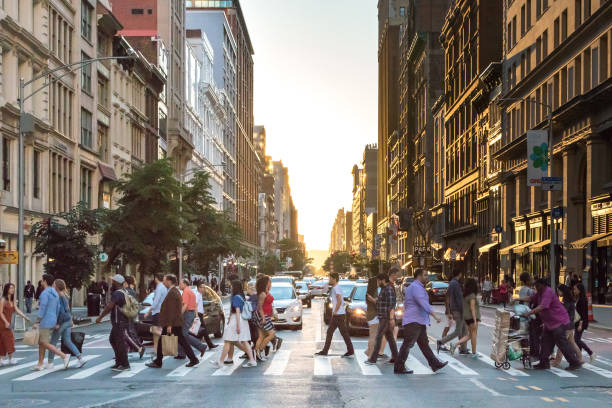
(375,253)
(537,156)
(557,212)
(103,257)
(498,229)
(9,257)
(552,183)
(377,241)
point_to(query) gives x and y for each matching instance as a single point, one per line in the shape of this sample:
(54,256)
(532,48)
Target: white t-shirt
(334,299)
(199,304)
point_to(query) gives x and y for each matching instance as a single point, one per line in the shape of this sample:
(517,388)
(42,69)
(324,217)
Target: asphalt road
(295,378)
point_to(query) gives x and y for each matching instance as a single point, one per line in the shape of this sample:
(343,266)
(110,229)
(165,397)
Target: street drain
(22,403)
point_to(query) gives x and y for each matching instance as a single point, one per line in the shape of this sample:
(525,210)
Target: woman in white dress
(237,330)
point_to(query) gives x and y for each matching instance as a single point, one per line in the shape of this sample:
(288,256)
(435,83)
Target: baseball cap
(119,278)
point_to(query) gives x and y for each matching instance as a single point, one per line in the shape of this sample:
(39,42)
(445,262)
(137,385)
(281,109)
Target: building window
(86,12)
(6,164)
(523,21)
(513,30)
(86,120)
(528,14)
(603,60)
(544,44)
(402,11)
(137,11)
(556,33)
(86,186)
(36,174)
(587,9)
(103,91)
(86,74)
(564,25)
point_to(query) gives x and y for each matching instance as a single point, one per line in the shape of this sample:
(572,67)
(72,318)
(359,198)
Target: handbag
(169,345)
(77,338)
(195,327)
(31,337)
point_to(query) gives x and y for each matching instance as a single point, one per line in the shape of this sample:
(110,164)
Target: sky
(316,95)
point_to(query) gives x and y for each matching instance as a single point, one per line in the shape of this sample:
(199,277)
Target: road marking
(561,399)
(183,370)
(365,368)
(603,360)
(460,367)
(512,371)
(228,369)
(533,387)
(127,397)
(135,369)
(37,374)
(547,399)
(17,367)
(561,373)
(318,328)
(485,388)
(23,346)
(418,367)
(91,371)
(322,366)
(521,387)
(279,363)
(597,370)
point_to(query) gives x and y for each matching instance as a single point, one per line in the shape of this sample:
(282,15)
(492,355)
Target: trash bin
(93,304)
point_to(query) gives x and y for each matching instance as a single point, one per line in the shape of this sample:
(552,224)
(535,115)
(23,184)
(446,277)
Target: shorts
(44,336)
(469,321)
(267,324)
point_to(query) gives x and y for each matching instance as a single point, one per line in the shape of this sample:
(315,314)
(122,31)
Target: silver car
(320,287)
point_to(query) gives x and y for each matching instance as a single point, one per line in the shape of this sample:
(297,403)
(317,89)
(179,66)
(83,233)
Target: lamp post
(25,125)
(553,235)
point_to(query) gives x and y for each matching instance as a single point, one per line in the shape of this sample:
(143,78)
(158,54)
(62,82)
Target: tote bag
(169,345)
(31,337)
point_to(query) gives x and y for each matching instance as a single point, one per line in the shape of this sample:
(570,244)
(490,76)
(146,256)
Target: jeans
(119,343)
(384,329)
(64,331)
(28,302)
(459,332)
(557,336)
(177,331)
(203,332)
(580,343)
(415,333)
(188,318)
(338,322)
(131,337)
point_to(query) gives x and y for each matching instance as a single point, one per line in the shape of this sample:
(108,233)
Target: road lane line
(561,373)
(91,371)
(459,366)
(416,366)
(322,366)
(279,363)
(521,387)
(512,371)
(37,374)
(561,399)
(533,387)
(485,388)
(365,369)
(228,369)
(597,370)
(547,399)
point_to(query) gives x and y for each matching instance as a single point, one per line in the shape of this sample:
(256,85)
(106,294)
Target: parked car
(346,286)
(287,305)
(320,287)
(214,317)
(408,280)
(303,291)
(309,279)
(283,279)
(436,291)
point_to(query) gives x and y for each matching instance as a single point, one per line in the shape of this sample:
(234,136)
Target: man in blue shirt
(48,311)
(158,298)
(416,318)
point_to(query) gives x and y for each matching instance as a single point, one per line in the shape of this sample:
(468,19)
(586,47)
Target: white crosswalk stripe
(279,363)
(415,365)
(38,374)
(17,367)
(366,369)
(88,372)
(322,366)
(597,370)
(459,366)
(561,373)
(512,371)
(603,361)
(228,369)
(183,370)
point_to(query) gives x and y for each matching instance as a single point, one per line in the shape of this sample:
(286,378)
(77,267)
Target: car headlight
(359,312)
(295,308)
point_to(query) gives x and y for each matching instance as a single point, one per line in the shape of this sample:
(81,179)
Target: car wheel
(221,328)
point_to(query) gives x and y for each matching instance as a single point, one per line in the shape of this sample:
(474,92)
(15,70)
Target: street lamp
(182,176)
(553,240)
(26,126)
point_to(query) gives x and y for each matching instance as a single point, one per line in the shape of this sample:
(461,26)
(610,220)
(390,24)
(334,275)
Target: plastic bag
(514,354)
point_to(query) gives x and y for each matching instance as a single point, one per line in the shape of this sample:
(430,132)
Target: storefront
(460,256)
(488,261)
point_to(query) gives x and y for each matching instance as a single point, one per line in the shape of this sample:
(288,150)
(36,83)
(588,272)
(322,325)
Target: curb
(19,336)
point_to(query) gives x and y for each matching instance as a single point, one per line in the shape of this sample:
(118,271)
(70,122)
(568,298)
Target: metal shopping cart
(511,338)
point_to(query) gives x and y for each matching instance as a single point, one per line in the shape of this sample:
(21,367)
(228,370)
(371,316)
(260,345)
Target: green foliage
(63,239)
(339,260)
(294,250)
(269,265)
(147,223)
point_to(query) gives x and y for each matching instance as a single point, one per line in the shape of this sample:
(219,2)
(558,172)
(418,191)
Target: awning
(605,242)
(508,249)
(520,249)
(435,246)
(457,254)
(583,242)
(107,172)
(485,248)
(539,246)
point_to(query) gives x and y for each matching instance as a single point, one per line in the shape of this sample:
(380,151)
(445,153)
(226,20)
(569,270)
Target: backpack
(247,310)
(130,309)
(64,311)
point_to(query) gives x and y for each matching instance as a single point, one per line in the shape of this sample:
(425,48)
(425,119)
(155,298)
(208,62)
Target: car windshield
(282,279)
(439,285)
(301,285)
(282,292)
(346,288)
(360,293)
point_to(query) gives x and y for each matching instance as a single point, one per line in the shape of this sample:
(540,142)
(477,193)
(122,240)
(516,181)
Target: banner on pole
(537,156)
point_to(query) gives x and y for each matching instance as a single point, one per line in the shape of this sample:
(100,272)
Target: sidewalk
(601,313)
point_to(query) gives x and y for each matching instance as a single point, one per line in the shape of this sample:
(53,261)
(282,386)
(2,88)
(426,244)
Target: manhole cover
(19,403)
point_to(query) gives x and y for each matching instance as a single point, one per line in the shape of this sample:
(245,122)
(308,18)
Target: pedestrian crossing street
(295,358)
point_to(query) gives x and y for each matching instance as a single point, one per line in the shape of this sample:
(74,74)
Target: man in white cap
(119,324)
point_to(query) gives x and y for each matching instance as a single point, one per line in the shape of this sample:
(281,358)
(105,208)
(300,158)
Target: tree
(294,250)
(63,238)
(339,260)
(211,233)
(147,224)
(269,264)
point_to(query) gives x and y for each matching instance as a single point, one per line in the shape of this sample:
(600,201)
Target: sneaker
(67,361)
(278,344)
(81,362)
(204,347)
(320,353)
(438,346)
(123,368)
(4,362)
(213,346)
(453,348)
(37,368)
(368,362)
(541,366)
(249,364)
(228,362)
(12,361)
(574,367)
(592,358)
(267,350)
(141,352)
(464,352)
(244,356)
(348,355)
(444,347)
(404,371)
(215,364)
(474,355)
(383,355)
(48,366)
(192,363)
(151,364)
(439,367)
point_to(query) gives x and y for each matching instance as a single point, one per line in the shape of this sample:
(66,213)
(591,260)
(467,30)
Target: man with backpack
(121,307)
(189,311)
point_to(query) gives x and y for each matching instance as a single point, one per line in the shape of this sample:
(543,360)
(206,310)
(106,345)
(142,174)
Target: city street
(293,377)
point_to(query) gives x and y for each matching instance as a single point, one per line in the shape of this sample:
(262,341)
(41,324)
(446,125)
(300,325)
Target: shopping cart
(511,338)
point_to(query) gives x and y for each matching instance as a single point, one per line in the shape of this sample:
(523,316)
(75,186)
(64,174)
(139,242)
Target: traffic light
(405,219)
